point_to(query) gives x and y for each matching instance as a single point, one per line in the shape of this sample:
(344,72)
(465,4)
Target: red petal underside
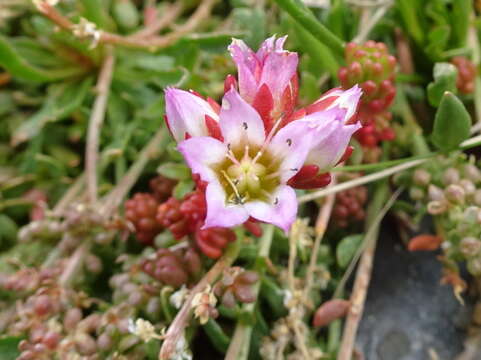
(213,128)
(321,105)
(264,103)
(229,82)
(347,154)
(214,105)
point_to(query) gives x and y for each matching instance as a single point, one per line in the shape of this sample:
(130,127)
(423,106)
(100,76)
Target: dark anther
(276,201)
(289,142)
(244,125)
(294,169)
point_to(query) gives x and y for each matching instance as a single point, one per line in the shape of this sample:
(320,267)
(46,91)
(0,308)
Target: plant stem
(150,42)
(74,264)
(376,212)
(321,227)
(306,19)
(170,15)
(360,181)
(95,124)
(239,346)
(177,327)
(115,197)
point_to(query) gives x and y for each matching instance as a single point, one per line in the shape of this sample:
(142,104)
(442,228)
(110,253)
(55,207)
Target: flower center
(248,174)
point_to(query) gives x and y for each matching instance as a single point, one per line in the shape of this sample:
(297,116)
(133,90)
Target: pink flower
(267,79)
(247,172)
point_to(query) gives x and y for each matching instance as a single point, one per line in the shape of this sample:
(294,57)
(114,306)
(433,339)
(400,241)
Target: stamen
(272,175)
(268,138)
(231,157)
(246,152)
(238,196)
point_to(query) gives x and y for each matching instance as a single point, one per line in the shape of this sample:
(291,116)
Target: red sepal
(253,227)
(347,154)
(264,103)
(229,83)
(214,105)
(213,128)
(321,105)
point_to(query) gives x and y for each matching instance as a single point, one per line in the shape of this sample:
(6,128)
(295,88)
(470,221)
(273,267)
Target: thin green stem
(302,15)
(240,344)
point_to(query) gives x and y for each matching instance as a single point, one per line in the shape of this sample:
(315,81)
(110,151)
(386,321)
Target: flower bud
(472,172)
(451,176)
(468,186)
(455,194)
(421,177)
(71,318)
(416,193)
(435,193)
(477,197)
(104,342)
(86,345)
(471,214)
(330,311)
(437,207)
(474,266)
(470,246)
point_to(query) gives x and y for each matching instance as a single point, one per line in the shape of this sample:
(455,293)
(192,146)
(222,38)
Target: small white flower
(87,29)
(178,298)
(143,329)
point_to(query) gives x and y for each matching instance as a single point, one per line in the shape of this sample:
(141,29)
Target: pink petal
(201,153)
(281,212)
(269,45)
(292,143)
(330,142)
(247,63)
(345,99)
(219,213)
(186,113)
(239,121)
(277,71)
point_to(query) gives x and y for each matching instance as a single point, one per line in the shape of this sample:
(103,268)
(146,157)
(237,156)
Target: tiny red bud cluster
(466,74)
(141,211)
(373,68)
(174,268)
(162,187)
(236,286)
(349,206)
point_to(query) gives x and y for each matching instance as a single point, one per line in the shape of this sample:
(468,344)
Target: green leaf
(63,99)
(460,16)
(216,335)
(438,39)
(183,188)
(410,11)
(445,75)
(452,123)
(304,17)
(8,230)
(174,171)
(19,67)
(9,347)
(253,22)
(346,249)
(126,14)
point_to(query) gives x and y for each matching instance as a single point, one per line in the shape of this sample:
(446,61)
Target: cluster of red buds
(466,74)
(28,279)
(174,268)
(236,286)
(42,344)
(181,217)
(372,67)
(349,206)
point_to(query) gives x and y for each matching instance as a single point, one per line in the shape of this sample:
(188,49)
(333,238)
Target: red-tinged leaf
(329,311)
(264,103)
(424,242)
(229,83)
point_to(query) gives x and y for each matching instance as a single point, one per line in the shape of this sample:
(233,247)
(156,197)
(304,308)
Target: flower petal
(282,212)
(291,145)
(345,99)
(219,213)
(330,138)
(247,63)
(239,121)
(186,113)
(277,71)
(201,153)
